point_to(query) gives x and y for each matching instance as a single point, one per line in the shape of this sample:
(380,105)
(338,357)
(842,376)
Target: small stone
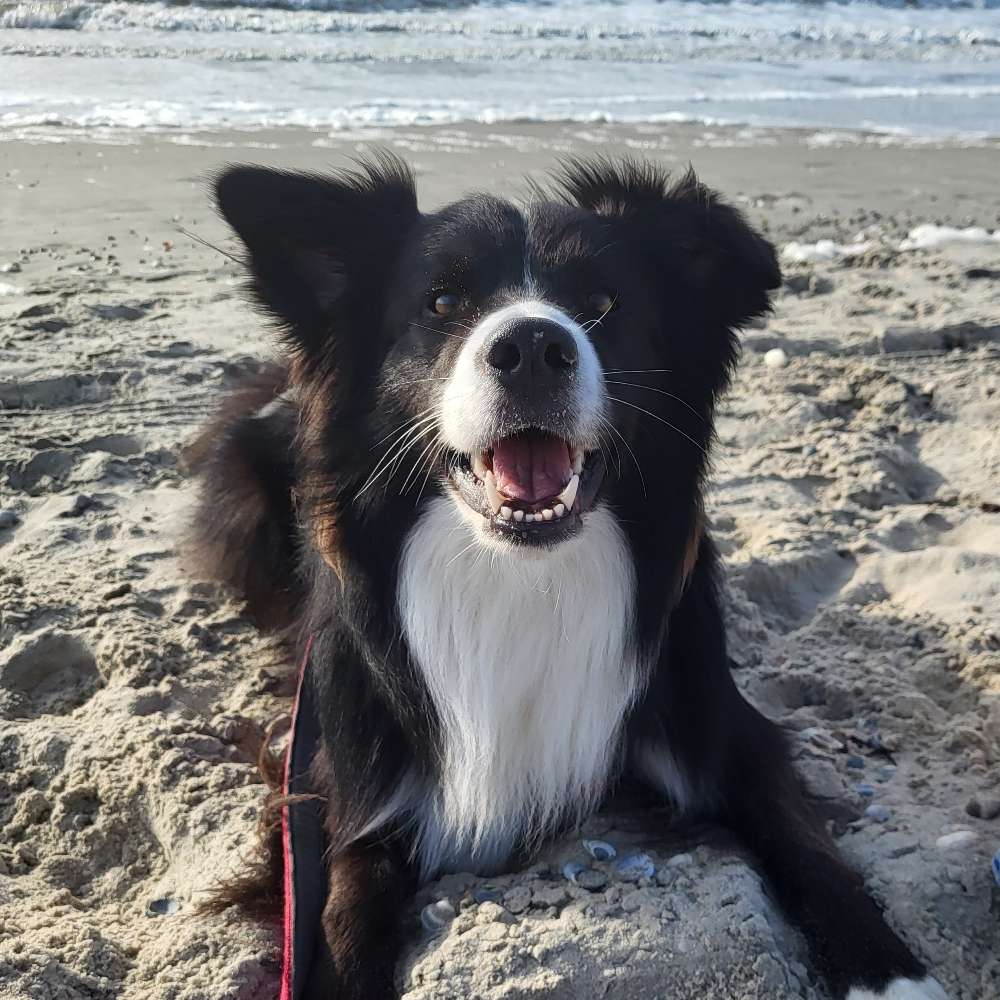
(487,895)
(600,850)
(8,519)
(633,867)
(518,899)
(960,838)
(878,813)
(821,738)
(680,860)
(995,865)
(436,916)
(865,790)
(776,358)
(12,268)
(855,763)
(983,808)
(886,772)
(162,908)
(552,895)
(592,880)
(572,869)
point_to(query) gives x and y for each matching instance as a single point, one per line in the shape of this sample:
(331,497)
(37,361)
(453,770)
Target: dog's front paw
(902,989)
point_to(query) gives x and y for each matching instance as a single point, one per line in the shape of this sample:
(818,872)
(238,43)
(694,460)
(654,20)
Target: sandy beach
(856,498)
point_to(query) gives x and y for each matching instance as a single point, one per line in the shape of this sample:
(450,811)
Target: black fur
(347,265)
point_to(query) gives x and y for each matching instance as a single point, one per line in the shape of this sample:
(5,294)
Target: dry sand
(856,498)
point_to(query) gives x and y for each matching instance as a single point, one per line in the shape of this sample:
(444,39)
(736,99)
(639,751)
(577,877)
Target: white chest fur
(530,665)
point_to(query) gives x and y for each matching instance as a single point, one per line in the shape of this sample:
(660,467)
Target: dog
(474,484)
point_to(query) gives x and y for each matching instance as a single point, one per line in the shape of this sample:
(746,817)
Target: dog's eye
(602,302)
(443,303)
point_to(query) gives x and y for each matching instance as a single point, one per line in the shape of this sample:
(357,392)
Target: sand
(856,498)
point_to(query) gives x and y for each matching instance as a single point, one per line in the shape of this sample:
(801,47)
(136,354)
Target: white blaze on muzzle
(473,407)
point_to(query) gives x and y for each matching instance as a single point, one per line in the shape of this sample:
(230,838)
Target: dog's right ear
(319,248)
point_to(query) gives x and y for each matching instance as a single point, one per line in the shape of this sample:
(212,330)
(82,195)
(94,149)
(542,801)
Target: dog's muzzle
(522,411)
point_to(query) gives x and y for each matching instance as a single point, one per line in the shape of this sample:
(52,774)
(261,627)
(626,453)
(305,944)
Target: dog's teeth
(492,493)
(532,517)
(506,513)
(518,515)
(547,514)
(479,466)
(577,459)
(559,510)
(568,495)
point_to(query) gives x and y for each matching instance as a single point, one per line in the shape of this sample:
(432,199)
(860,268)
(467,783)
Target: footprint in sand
(47,673)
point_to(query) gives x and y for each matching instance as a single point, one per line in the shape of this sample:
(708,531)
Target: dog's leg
(360,934)
(851,943)
(696,739)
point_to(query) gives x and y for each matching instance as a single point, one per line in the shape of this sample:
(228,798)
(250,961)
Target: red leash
(304,880)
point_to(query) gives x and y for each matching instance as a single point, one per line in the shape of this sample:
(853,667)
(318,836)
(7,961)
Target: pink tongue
(531,467)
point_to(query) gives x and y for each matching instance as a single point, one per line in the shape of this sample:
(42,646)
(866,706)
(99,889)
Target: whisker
(402,444)
(431,329)
(461,552)
(662,392)
(638,371)
(638,468)
(418,464)
(655,416)
(399,427)
(211,246)
(434,459)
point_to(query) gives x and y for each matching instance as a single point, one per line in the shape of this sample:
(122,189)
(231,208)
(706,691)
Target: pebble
(864,789)
(600,850)
(886,772)
(571,869)
(437,916)
(162,908)
(517,899)
(633,867)
(775,358)
(995,865)
(878,813)
(680,860)
(487,895)
(983,808)
(822,738)
(8,519)
(960,838)
(592,880)
(12,268)
(855,763)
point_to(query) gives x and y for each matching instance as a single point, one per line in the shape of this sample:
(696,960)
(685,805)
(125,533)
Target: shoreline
(799,184)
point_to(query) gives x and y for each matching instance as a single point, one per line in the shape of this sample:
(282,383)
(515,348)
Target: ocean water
(922,68)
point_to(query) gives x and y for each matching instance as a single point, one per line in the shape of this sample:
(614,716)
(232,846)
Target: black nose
(531,354)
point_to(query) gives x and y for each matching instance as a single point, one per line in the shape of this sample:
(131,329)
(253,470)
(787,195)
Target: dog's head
(530,362)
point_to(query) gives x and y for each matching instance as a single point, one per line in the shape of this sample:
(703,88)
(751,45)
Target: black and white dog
(476,484)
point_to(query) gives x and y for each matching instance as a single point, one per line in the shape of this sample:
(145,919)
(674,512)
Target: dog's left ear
(698,242)
(320,247)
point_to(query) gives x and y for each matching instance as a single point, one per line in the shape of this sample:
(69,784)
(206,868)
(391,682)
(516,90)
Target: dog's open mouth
(531,485)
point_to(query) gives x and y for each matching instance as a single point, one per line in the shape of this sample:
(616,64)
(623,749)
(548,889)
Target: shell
(600,850)
(633,867)
(436,916)
(162,907)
